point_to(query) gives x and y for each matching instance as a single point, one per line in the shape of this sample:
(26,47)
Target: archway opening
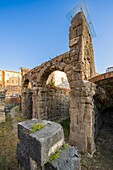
(58,100)
(105,133)
(27,100)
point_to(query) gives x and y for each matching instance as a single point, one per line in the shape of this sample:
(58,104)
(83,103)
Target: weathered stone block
(42,143)
(23,156)
(73,41)
(68,160)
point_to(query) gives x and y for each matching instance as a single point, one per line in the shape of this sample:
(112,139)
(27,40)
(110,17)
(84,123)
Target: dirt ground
(102,159)
(9,140)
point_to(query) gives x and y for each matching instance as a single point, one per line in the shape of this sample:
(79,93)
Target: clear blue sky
(32,31)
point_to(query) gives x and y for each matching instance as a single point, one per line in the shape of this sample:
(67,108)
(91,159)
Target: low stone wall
(44,148)
(12,100)
(58,103)
(13,90)
(101,77)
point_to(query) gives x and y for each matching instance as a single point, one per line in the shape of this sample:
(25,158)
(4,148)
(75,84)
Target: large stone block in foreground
(41,143)
(68,160)
(36,150)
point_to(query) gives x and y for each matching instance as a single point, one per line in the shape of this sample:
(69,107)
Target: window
(12,81)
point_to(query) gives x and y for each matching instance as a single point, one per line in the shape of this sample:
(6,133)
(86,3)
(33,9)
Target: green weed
(56,155)
(36,127)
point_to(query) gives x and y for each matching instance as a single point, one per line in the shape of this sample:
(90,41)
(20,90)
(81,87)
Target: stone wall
(58,103)
(12,100)
(103,101)
(13,91)
(107,116)
(27,103)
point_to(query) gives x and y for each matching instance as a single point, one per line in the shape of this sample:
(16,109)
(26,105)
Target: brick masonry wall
(58,103)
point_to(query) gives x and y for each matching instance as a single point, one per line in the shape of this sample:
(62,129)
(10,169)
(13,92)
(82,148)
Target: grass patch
(56,155)
(18,116)
(8,143)
(37,126)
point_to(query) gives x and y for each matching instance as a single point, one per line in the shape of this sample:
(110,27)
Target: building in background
(59,79)
(2,83)
(12,78)
(10,81)
(9,78)
(109,69)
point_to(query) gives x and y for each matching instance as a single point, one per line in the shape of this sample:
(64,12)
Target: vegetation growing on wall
(37,126)
(57,153)
(52,82)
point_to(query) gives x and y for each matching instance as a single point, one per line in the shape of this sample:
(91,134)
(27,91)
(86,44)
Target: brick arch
(57,64)
(26,83)
(42,99)
(60,63)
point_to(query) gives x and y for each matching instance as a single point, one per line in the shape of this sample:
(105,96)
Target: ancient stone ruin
(78,64)
(90,96)
(45,148)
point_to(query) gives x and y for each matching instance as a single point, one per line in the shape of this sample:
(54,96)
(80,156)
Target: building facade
(9,78)
(59,79)
(109,69)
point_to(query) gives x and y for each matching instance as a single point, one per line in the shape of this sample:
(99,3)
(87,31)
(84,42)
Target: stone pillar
(35,103)
(27,103)
(82,116)
(82,91)
(24,103)
(42,103)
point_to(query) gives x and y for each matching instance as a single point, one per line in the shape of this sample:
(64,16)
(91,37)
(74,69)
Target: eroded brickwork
(103,101)
(81,106)
(58,102)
